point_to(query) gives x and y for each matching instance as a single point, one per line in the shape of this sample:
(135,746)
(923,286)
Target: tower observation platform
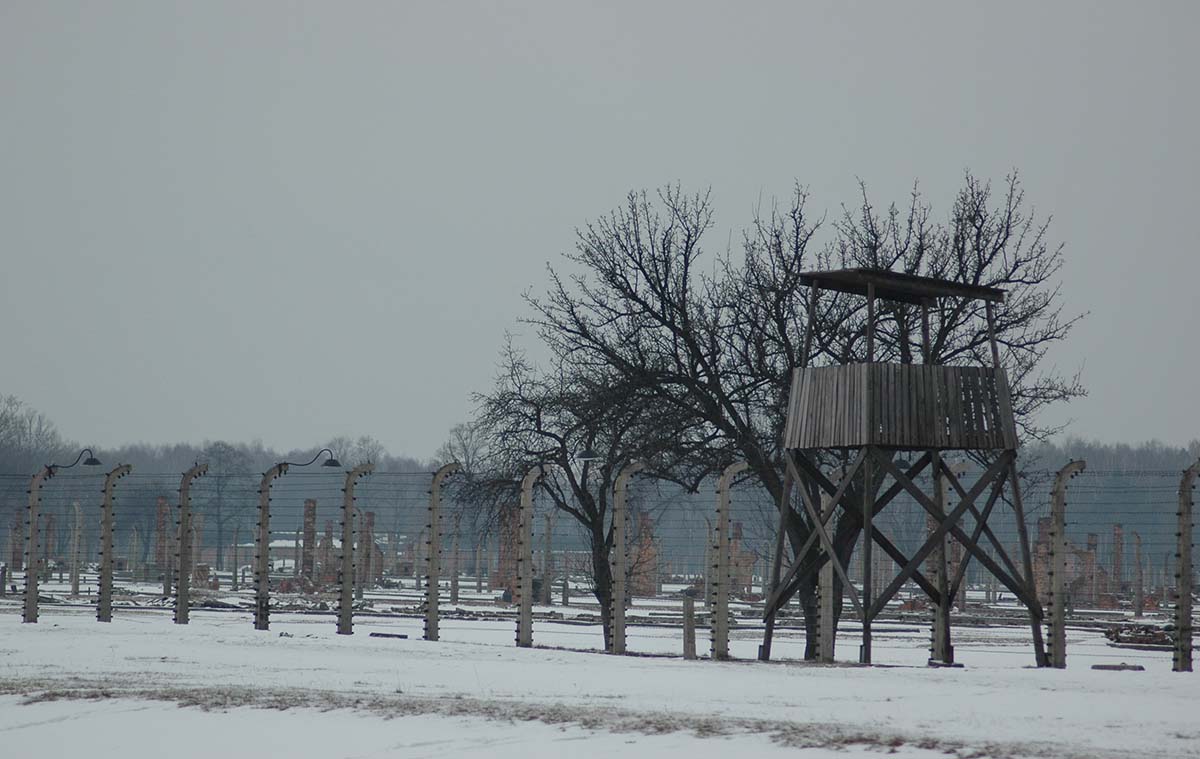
(844,429)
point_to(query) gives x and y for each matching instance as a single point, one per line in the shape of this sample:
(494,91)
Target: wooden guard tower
(871,413)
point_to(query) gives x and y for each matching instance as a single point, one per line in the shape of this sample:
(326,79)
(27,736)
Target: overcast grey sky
(288,221)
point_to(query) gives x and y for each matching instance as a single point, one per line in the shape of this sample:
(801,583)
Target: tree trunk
(602,573)
(845,536)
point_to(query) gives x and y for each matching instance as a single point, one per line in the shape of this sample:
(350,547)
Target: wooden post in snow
(689,627)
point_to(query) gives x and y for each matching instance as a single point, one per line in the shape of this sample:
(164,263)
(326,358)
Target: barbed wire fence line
(1121,531)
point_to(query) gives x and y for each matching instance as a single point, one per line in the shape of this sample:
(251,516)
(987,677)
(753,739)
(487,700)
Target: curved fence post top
(632,468)
(199,470)
(731,471)
(1067,472)
(359,471)
(278,470)
(117,473)
(532,476)
(1189,476)
(444,471)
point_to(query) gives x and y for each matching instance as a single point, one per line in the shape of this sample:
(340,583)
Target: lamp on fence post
(31,529)
(262,541)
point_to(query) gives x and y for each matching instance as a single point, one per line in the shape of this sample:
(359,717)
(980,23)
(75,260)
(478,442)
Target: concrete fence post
(345,625)
(262,549)
(619,557)
(32,544)
(709,566)
(297,552)
(826,620)
(134,550)
(164,545)
(525,559)
(1183,578)
(433,559)
(365,552)
(826,629)
(183,544)
(76,540)
(308,560)
(941,648)
(104,602)
(455,563)
(722,576)
(49,547)
(1139,577)
(548,560)
(237,569)
(1058,564)
(479,555)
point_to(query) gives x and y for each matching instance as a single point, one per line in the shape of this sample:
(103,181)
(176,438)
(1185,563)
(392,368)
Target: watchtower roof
(892,285)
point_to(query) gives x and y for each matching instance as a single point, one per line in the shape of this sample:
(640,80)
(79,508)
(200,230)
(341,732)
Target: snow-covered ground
(72,686)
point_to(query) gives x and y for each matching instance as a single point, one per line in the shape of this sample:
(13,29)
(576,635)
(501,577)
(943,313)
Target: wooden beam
(799,570)
(785,508)
(881,540)
(815,515)
(980,525)
(1035,612)
(773,602)
(982,520)
(950,525)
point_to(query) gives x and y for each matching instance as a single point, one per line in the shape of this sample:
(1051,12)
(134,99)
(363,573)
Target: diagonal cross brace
(877,537)
(982,520)
(1019,590)
(800,571)
(853,509)
(980,526)
(773,603)
(946,523)
(818,521)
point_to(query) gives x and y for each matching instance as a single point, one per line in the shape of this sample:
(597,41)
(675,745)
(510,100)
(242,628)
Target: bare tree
(354,451)
(546,418)
(715,346)
(466,444)
(227,496)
